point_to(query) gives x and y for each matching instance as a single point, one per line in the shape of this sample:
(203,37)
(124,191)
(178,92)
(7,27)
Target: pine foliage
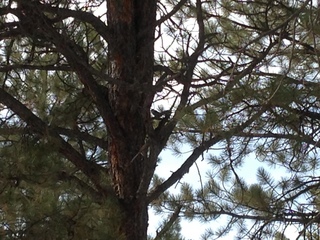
(235,84)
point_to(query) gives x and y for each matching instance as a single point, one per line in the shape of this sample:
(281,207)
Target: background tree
(93,91)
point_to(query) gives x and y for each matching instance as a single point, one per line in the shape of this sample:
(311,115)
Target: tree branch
(288,217)
(176,8)
(197,152)
(50,67)
(303,138)
(37,126)
(87,17)
(75,134)
(168,225)
(76,57)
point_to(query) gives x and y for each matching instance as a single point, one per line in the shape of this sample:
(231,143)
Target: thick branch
(63,13)
(77,59)
(184,168)
(70,133)
(37,126)
(51,67)
(192,62)
(87,17)
(168,225)
(173,11)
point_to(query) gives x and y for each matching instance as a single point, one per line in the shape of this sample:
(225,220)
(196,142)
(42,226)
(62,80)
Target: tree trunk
(131,24)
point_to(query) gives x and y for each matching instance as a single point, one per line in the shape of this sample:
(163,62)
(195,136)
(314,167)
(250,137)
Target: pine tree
(93,91)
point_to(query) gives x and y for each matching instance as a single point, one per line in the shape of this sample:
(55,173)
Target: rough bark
(131,33)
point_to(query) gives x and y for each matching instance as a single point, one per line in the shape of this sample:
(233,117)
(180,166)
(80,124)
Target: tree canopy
(92,92)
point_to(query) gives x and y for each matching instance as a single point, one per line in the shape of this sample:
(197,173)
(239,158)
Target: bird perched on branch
(160,115)
(162,118)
